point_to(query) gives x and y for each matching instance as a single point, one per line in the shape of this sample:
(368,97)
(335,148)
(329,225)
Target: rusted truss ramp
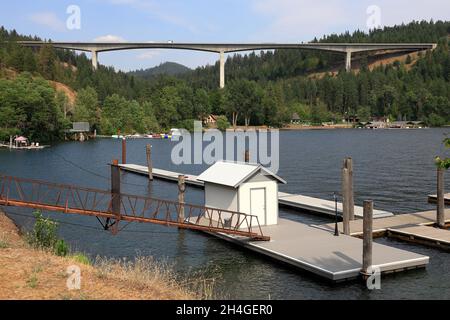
(111,208)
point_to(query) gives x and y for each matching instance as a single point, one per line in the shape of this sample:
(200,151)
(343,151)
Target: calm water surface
(393,167)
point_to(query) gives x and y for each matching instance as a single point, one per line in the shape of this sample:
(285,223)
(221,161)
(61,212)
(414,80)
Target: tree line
(261,89)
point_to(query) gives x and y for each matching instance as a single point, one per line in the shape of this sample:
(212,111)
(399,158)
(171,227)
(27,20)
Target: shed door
(258,204)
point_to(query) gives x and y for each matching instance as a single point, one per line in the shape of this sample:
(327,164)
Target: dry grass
(144,272)
(27,273)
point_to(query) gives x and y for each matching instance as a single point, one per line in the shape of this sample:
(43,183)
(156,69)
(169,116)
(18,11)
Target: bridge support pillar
(222,69)
(348,61)
(94,59)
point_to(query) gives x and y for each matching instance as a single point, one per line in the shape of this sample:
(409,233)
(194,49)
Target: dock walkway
(414,227)
(292,201)
(432,198)
(320,252)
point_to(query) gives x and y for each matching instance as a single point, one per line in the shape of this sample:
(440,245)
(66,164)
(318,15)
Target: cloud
(109,38)
(148,55)
(48,19)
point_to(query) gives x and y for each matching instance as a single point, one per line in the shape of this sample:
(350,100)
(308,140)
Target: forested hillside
(167,68)
(264,88)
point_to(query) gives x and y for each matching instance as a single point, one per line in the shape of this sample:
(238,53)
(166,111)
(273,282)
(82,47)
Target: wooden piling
(345,202)
(440,219)
(115,193)
(351,201)
(148,149)
(181,190)
(367,236)
(124,150)
(247,156)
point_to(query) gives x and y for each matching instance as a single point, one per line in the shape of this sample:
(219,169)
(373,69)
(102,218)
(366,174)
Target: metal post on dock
(181,190)
(345,203)
(247,156)
(148,149)
(124,150)
(351,202)
(10,142)
(367,236)
(440,198)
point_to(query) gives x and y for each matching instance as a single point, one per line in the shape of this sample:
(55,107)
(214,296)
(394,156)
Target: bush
(61,248)
(187,124)
(44,233)
(222,123)
(435,120)
(81,258)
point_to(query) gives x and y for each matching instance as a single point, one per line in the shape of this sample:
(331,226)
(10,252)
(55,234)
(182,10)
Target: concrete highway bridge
(221,48)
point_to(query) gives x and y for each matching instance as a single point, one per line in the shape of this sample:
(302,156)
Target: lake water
(392,167)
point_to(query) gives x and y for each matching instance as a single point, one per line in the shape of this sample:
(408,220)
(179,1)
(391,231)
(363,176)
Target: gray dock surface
(413,227)
(398,221)
(432,198)
(292,201)
(320,252)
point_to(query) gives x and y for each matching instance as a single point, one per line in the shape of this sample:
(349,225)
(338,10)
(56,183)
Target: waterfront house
(80,130)
(243,187)
(376,125)
(210,120)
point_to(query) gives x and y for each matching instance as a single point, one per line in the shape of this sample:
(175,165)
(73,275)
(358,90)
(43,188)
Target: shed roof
(233,174)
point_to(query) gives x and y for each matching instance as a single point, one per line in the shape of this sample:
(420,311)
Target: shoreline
(34,274)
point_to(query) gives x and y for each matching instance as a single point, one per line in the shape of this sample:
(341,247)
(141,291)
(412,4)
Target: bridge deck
(293,201)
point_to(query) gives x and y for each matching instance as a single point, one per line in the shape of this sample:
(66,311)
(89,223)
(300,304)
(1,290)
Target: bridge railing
(125,207)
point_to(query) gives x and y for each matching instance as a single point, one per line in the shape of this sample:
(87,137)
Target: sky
(204,21)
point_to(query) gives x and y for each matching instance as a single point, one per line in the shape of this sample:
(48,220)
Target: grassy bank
(30,273)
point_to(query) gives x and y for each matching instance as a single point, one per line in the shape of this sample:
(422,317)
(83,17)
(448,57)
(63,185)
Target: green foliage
(187,124)
(119,114)
(444,163)
(435,120)
(222,123)
(264,88)
(28,106)
(44,233)
(87,107)
(61,248)
(81,258)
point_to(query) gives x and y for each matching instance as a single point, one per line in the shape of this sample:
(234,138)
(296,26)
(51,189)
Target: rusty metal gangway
(110,208)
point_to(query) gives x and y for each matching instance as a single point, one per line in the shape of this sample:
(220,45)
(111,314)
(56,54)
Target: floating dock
(413,227)
(292,201)
(322,206)
(308,248)
(432,198)
(320,252)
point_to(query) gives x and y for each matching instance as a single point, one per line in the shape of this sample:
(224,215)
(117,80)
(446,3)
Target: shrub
(44,233)
(61,248)
(222,123)
(81,258)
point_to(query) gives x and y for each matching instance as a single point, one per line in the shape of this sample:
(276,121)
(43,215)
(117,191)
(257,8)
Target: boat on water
(173,132)
(22,143)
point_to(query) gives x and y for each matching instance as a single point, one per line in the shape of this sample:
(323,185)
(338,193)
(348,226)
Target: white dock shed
(243,187)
